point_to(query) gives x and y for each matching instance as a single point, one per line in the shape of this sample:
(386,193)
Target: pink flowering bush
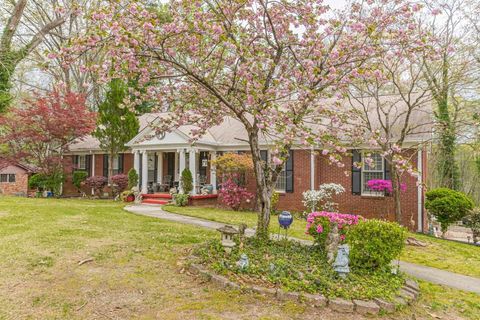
(319,225)
(384,185)
(233,195)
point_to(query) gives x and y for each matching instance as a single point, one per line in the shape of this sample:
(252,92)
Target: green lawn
(137,270)
(447,255)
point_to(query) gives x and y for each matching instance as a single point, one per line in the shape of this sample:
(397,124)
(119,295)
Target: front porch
(160,170)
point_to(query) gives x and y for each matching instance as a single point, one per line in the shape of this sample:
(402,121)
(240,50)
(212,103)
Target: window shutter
(74,163)
(120,162)
(88,164)
(387,170)
(155,168)
(356,173)
(105,165)
(289,173)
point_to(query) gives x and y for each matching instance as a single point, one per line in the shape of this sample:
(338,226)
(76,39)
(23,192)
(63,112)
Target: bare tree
(14,47)
(395,108)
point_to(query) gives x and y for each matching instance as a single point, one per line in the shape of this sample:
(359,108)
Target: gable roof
(231,132)
(6,163)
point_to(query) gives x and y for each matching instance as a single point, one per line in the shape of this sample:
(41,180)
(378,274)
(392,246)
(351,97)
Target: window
(115,166)
(7,178)
(82,162)
(372,171)
(281,185)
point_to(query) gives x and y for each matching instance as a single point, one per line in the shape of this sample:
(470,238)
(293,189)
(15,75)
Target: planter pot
(130,198)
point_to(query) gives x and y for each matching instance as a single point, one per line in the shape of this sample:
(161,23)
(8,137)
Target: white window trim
(366,192)
(79,165)
(8,177)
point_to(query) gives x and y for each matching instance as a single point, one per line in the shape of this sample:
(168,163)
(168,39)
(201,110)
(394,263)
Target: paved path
(433,275)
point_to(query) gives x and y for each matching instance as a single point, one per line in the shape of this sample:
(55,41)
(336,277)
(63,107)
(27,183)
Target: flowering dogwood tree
(278,67)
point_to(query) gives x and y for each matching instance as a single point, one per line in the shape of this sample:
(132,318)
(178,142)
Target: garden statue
(341,262)
(136,194)
(243,262)
(333,240)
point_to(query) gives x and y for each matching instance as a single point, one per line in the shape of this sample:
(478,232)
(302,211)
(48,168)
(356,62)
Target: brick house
(159,160)
(14,178)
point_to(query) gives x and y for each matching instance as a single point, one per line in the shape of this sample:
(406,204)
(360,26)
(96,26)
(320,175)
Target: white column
(193,168)
(144,171)
(420,190)
(213,171)
(181,167)
(312,169)
(160,167)
(93,170)
(136,162)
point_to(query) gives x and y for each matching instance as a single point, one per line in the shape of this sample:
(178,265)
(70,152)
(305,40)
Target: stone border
(407,295)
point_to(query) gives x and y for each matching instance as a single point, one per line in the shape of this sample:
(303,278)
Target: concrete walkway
(433,275)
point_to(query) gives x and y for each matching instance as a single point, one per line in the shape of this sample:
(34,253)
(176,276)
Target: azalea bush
(319,225)
(385,186)
(322,198)
(97,183)
(375,243)
(233,195)
(120,182)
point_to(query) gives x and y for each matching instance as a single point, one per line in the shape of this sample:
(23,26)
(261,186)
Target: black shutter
(387,170)
(155,168)
(105,165)
(88,164)
(75,163)
(264,156)
(120,163)
(356,173)
(289,173)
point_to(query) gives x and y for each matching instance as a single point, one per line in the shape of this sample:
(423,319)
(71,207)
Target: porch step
(155,201)
(156,196)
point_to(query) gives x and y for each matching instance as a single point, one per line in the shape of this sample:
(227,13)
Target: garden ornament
(228,232)
(243,262)
(333,239)
(341,262)
(285,219)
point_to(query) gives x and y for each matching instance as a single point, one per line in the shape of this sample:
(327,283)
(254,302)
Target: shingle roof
(231,132)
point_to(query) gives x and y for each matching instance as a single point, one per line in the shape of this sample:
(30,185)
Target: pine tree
(116,125)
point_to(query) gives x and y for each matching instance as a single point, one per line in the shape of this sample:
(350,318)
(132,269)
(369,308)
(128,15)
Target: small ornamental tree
(97,183)
(39,132)
(233,195)
(322,198)
(78,177)
(270,65)
(120,182)
(187,181)
(447,206)
(132,178)
(472,221)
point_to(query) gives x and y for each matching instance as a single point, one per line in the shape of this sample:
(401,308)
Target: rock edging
(408,294)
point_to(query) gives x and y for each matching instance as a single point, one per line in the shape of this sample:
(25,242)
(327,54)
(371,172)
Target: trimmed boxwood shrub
(187,181)
(447,206)
(375,243)
(181,199)
(78,177)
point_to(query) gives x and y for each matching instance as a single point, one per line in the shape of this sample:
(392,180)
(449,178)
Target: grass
(137,272)
(442,254)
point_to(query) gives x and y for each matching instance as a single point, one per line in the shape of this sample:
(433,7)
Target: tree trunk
(264,188)
(396,194)
(110,167)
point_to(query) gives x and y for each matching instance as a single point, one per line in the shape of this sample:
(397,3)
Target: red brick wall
(70,190)
(20,186)
(367,206)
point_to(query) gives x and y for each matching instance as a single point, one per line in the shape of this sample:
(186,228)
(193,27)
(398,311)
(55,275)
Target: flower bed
(293,267)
